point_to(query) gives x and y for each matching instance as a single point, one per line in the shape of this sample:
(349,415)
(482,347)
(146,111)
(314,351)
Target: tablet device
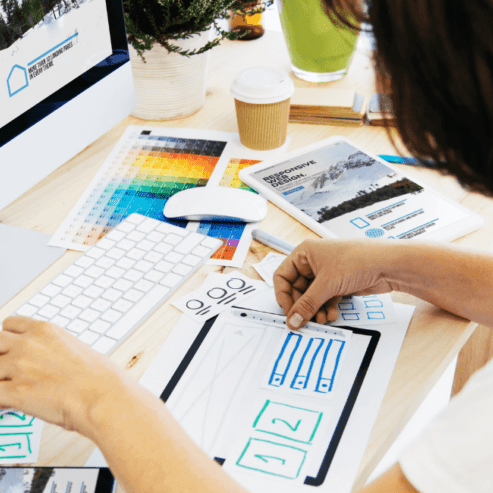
(337,189)
(57,479)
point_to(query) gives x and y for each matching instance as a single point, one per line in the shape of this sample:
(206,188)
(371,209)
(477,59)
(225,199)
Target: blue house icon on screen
(17,80)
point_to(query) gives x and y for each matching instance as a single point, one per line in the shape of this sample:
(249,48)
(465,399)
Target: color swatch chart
(230,232)
(144,170)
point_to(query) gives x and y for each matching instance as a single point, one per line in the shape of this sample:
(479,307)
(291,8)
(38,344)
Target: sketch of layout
(306,363)
(216,379)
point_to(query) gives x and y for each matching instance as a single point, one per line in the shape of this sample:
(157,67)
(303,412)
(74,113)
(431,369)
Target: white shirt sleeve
(454,454)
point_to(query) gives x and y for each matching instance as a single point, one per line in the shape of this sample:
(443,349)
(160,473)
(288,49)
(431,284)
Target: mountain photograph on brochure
(351,183)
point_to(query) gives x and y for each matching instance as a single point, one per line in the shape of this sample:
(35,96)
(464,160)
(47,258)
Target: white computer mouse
(216,204)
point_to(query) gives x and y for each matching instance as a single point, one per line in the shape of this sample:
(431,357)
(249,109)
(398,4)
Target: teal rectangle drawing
(286,421)
(272,458)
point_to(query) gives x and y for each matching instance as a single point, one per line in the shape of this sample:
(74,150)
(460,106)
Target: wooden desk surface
(434,337)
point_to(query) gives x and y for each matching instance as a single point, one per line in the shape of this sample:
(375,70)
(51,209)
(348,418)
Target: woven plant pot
(168,85)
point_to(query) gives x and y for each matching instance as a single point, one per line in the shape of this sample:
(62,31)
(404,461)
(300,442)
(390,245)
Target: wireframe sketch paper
(218,293)
(263,436)
(268,266)
(373,309)
(20,438)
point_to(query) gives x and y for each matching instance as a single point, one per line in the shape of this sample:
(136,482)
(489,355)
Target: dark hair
(439,57)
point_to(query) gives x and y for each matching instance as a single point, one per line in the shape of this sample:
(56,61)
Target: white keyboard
(107,292)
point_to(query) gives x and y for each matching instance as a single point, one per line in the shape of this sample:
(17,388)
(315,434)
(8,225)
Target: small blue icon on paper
(374,232)
(17,80)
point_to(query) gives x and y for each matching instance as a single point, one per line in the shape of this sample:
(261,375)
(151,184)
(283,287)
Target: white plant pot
(169,85)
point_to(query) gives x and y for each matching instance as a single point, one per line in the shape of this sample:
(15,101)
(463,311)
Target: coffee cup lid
(262,85)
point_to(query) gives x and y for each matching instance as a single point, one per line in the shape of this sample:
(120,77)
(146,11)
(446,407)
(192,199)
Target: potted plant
(169,43)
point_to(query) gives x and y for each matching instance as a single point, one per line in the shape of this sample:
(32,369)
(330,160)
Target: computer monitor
(65,79)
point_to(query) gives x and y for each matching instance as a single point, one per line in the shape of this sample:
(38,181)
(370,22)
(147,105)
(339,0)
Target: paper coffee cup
(262,96)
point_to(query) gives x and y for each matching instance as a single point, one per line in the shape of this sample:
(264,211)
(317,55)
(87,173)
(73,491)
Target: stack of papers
(327,107)
(380,110)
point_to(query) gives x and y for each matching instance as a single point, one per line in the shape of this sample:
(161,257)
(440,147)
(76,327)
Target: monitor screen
(51,51)
(66,81)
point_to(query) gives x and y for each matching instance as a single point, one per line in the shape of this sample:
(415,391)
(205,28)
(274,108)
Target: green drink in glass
(320,50)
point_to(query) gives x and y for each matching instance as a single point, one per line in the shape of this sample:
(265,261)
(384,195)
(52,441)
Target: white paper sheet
(20,438)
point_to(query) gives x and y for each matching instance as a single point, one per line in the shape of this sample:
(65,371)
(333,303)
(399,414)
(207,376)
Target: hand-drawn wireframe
(216,379)
(350,316)
(272,458)
(373,303)
(16,430)
(286,421)
(375,316)
(213,298)
(347,305)
(306,362)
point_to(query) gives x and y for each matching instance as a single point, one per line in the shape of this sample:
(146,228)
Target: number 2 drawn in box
(282,420)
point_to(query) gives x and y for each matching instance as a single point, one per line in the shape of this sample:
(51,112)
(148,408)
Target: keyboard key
(133,275)
(115,253)
(48,311)
(122,284)
(188,243)
(101,305)
(155,237)
(172,239)
(163,248)
(51,290)
(105,262)
(62,280)
(39,300)
(103,345)
(182,269)
(115,235)
(61,321)
(201,251)
(84,261)
(136,236)
(93,291)
(106,243)
(171,280)
(82,301)
(144,285)
(136,254)
(135,218)
(192,260)
(70,312)
(210,243)
(143,266)
(83,281)
(154,276)
(164,228)
(111,294)
(94,272)
(147,226)
(100,326)
(125,227)
(153,257)
(133,295)
(125,263)
(89,315)
(104,282)
(146,245)
(27,310)
(95,252)
(115,272)
(40,318)
(89,337)
(61,301)
(111,316)
(72,291)
(173,257)
(126,244)
(77,326)
(123,305)
(73,271)
(164,266)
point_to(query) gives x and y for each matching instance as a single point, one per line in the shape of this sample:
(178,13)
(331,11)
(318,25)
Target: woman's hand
(48,373)
(311,281)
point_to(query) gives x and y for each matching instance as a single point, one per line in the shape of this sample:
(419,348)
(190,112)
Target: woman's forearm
(456,279)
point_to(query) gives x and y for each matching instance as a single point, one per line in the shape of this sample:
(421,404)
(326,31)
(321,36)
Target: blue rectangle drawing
(376,316)
(350,316)
(373,304)
(359,222)
(285,359)
(329,367)
(346,305)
